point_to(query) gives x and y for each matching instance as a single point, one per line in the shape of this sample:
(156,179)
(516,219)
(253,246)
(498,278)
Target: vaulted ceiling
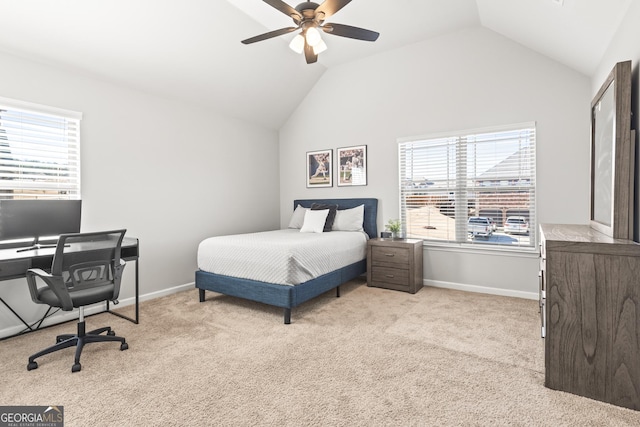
(190,50)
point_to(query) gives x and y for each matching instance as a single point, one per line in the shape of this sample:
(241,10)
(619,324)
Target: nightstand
(395,264)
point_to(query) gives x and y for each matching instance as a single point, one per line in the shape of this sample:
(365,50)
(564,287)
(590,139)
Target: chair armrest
(117,278)
(38,272)
(31,275)
(55,283)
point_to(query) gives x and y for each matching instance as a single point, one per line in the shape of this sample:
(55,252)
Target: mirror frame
(622,156)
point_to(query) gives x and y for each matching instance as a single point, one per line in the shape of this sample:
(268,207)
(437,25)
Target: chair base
(79,340)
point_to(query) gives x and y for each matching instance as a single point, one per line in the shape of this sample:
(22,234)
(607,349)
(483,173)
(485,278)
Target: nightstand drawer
(390,275)
(386,254)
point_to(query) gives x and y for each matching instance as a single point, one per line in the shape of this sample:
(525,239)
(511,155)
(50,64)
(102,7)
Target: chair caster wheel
(111,333)
(124,346)
(76,367)
(32,365)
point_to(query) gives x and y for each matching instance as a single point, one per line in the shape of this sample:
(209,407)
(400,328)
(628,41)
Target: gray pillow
(297,219)
(349,219)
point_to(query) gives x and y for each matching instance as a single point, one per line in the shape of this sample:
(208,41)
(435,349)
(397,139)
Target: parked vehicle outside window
(516,225)
(479,226)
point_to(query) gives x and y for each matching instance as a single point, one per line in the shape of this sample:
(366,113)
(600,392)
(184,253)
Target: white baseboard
(65,316)
(158,294)
(481,289)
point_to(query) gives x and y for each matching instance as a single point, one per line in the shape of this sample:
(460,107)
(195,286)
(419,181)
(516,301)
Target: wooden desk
(14,264)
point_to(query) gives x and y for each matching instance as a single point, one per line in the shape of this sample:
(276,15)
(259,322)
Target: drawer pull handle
(391,276)
(390,254)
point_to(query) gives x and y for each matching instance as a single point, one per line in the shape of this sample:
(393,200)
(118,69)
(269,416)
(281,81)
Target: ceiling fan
(309,17)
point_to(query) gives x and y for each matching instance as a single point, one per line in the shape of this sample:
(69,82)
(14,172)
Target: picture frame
(319,168)
(352,166)
(613,156)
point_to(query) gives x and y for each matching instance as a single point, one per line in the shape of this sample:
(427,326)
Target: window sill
(484,250)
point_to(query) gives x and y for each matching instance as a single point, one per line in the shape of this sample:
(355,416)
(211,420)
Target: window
(39,151)
(449,181)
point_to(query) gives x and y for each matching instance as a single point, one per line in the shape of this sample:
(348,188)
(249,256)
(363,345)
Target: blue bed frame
(286,296)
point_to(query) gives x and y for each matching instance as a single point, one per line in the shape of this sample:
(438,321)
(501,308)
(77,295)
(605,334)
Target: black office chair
(86,269)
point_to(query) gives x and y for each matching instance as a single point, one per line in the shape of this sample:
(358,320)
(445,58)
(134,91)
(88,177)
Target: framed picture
(319,167)
(352,165)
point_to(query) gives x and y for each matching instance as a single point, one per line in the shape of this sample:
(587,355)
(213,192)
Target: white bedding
(286,257)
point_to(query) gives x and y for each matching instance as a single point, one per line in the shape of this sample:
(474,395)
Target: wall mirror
(613,155)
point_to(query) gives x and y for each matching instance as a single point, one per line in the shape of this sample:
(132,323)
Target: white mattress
(286,257)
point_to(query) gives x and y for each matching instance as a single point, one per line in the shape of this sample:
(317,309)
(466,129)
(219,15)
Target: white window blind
(489,173)
(39,151)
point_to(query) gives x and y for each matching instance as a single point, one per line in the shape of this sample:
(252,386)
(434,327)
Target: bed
(289,295)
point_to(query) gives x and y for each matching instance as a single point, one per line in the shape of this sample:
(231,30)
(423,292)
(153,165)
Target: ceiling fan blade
(269,35)
(285,8)
(351,32)
(309,54)
(329,7)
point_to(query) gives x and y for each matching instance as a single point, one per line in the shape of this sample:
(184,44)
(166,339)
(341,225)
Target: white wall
(172,174)
(469,79)
(625,47)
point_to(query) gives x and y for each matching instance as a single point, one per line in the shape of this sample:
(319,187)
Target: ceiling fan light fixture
(297,44)
(313,36)
(320,47)
(309,19)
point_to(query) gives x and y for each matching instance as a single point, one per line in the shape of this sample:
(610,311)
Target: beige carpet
(373,357)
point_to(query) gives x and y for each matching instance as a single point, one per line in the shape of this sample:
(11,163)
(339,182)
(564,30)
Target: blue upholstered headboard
(370,210)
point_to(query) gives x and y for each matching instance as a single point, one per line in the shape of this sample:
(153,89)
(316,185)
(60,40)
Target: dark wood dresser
(395,264)
(590,311)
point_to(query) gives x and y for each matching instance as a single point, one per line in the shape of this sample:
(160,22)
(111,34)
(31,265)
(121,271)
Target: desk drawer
(386,255)
(11,269)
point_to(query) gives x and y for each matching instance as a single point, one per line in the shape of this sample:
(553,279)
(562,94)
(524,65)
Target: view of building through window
(471,188)
(39,152)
